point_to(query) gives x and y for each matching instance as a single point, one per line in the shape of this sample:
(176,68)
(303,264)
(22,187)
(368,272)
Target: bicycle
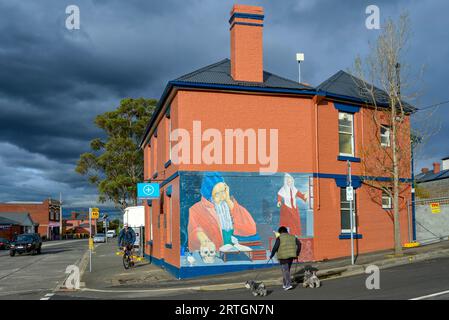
(128,261)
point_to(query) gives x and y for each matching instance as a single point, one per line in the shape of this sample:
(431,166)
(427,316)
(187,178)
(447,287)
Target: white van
(111,234)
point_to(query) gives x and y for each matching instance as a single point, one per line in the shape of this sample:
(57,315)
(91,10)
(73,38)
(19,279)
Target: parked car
(111,234)
(26,243)
(4,244)
(99,237)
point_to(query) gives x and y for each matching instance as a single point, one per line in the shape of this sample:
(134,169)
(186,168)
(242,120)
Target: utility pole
(90,240)
(60,215)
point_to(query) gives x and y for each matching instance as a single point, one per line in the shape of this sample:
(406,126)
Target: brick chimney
(424,170)
(246,43)
(436,167)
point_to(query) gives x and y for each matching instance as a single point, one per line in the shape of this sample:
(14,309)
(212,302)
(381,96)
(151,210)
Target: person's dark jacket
(276,248)
(126,238)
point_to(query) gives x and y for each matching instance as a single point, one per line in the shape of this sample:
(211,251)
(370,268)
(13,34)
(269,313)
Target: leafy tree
(115,163)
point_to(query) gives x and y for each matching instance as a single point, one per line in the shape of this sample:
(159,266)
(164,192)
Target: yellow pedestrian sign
(435,207)
(95,213)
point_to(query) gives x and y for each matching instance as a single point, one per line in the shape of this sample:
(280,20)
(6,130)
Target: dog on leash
(310,279)
(257,289)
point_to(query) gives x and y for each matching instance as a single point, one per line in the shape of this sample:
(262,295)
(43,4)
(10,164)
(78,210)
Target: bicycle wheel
(126,262)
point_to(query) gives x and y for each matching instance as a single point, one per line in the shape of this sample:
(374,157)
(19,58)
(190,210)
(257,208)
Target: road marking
(47,296)
(431,295)
(197,288)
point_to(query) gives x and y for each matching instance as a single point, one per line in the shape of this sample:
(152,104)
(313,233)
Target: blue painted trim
(191,272)
(345,236)
(246,24)
(340,179)
(169,179)
(354,177)
(167,164)
(169,245)
(183,84)
(155,175)
(150,243)
(169,191)
(150,203)
(346,158)
(155,133)
(164,265)
(246,16)
(346,107)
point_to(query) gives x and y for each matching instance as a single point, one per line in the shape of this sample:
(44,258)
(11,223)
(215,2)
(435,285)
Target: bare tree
(381,81)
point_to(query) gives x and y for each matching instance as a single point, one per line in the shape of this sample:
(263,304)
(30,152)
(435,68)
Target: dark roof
(220,73)
(430,176)
(345,85)
(4,220)
(20,218)
(447,158)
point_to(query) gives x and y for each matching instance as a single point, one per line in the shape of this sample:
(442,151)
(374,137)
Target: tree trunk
(397,225)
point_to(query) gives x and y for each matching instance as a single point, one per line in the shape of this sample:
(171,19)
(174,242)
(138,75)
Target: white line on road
(47,296)
(144,290)
(431,295)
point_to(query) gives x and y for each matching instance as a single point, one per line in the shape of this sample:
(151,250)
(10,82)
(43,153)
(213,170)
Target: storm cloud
(54,81)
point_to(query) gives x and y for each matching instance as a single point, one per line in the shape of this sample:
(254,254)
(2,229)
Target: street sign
(435,207)
(148,191)
(350,193)
(95,213)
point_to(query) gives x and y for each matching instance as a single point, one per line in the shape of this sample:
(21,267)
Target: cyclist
(126,239)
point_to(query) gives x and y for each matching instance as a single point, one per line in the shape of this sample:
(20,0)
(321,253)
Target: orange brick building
(45,213)
(220,204)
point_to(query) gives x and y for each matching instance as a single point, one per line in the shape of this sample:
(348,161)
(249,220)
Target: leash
(257,275)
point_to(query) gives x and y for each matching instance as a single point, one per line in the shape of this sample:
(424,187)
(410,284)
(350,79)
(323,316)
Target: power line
(433,105)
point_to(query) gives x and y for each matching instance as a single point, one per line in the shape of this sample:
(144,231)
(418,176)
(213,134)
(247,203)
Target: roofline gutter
(356,100)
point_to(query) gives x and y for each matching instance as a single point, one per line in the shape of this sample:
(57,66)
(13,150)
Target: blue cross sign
(148,191)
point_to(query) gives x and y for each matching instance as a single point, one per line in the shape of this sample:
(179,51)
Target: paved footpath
(36,277)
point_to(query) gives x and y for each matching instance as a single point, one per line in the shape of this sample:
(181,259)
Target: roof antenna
(299,58)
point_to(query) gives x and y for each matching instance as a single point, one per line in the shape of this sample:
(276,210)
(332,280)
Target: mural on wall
(231,218)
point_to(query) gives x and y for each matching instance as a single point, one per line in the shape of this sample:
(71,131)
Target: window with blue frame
(345,212)
(346,134)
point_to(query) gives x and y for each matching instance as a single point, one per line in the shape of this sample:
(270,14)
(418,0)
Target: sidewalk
(108,272)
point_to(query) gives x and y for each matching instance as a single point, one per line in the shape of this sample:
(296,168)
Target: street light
(299,58)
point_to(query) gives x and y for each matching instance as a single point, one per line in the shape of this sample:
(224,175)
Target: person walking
(286,248)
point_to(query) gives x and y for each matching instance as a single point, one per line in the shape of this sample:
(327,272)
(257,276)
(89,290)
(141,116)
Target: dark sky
(54,81)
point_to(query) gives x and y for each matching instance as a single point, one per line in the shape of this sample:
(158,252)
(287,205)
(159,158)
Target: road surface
(428,280)
(36,277)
